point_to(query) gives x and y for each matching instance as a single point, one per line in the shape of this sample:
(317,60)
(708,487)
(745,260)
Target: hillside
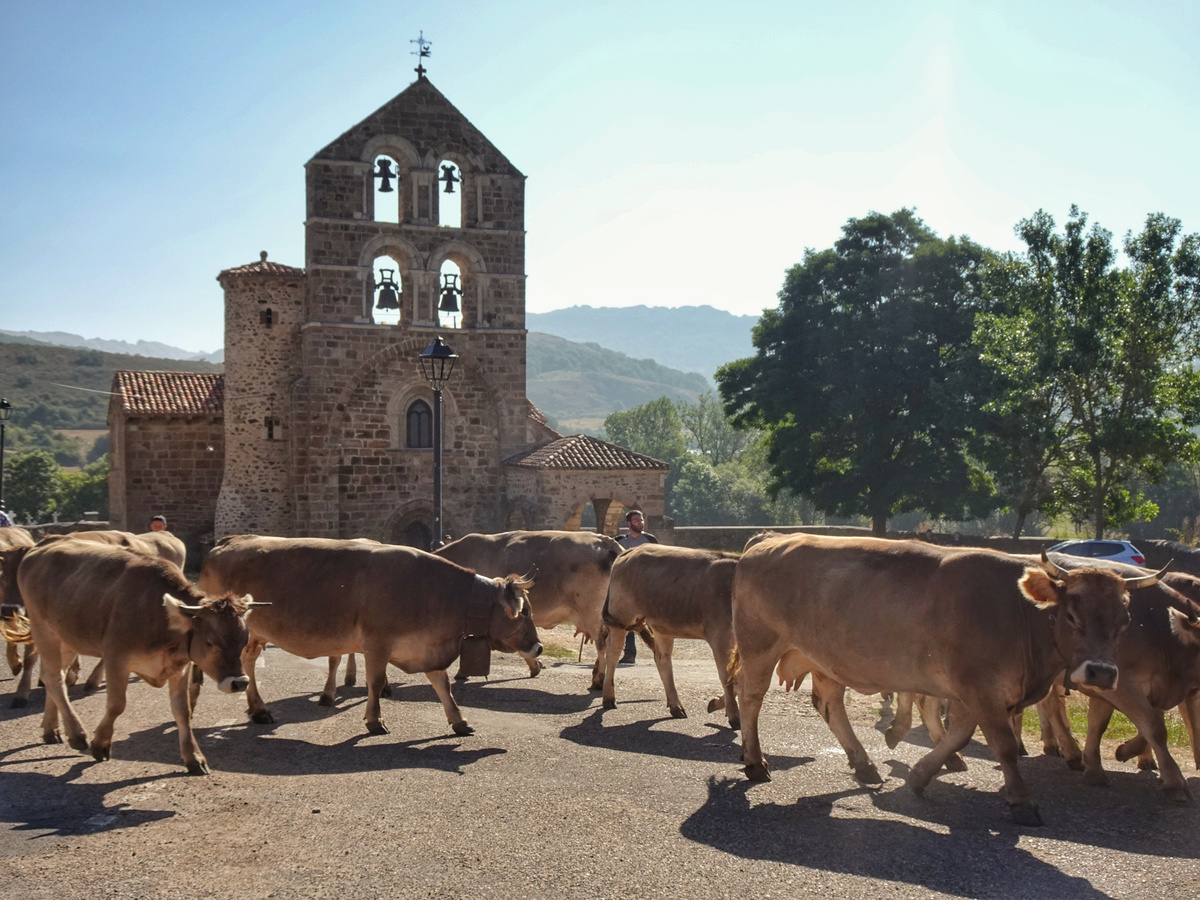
(577,385)
(68,388)
(691,338)
(150,349)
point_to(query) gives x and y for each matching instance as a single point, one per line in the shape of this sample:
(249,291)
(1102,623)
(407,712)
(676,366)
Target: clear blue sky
(677,153)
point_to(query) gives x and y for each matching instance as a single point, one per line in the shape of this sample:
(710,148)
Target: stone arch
(410,264)
(473,270)
(399,527)
(397,409)
(610,511)
(399,149)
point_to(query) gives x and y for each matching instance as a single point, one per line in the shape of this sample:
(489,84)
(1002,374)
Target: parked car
(1117,551)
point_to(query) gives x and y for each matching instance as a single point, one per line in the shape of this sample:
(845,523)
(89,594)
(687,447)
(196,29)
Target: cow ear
(179,616)
(1185,628)
(1039,588)
(513,596)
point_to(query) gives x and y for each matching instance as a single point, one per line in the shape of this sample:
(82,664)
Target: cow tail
(16,630)
(735,665)
(644,633)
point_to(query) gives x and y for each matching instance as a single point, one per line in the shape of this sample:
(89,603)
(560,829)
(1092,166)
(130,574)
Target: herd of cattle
(978,633)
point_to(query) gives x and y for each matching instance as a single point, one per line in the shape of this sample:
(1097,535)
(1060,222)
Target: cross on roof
(421,52)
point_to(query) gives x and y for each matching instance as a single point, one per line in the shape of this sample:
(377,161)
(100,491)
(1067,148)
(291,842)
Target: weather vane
(422,52)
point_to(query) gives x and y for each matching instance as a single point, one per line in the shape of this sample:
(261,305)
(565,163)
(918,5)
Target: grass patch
(1119,727)
(559,652)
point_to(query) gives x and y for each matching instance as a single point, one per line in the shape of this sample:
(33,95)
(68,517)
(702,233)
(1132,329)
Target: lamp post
(437,362)
(5,412)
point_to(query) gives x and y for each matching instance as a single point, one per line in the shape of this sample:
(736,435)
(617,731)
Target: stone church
(321,423)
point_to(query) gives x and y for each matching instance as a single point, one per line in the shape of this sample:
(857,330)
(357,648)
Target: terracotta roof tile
(536,414)
(170,393)
(582,451)
(262,267)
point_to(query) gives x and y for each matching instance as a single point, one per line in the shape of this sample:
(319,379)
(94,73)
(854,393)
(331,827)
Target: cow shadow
(809,834)
(521,695)
(48,806)
(719,745)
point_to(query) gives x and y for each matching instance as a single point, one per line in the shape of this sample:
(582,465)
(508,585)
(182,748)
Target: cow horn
(1054,568)
(1147,580)
(531,575)
(183,607)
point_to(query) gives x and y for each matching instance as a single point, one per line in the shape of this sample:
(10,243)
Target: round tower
(264,309)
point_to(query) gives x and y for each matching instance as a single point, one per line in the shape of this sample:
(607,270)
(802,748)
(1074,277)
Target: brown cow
(677,593)
(392,604)
(1159,659)
(12,538)
(142,616)
(983,629)
(572,576)
(166,545)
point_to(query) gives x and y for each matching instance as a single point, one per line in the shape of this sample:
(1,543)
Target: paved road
(552,797)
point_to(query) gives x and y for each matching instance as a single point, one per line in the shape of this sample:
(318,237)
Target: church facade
(414,231)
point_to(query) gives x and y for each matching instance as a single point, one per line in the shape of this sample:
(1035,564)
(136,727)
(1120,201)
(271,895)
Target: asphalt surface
(552,796)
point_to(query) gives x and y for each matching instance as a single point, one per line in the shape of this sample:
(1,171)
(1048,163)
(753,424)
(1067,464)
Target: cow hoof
(1125,752)
(735,724)
(79,743)
(325,700)
(1095,779)
(1147,765)
(350,681)
(386,691)
(377,728)
(758,772)
(955,763)
(52,738)
(262,717)
(460,677)
(16,670)
(89,688)
(610,703)
(716,703)
(1021,750)
(1051,750)
(596,685)
(1075,763)
(1026,814)
(462,729)
(1177,795)
(678,713)
(197,768)
(868,774)
(891,739)
(20,702)
(101,754)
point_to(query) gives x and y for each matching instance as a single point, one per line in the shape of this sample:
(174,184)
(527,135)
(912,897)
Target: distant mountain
(691,338)
(151,349)
(577,385)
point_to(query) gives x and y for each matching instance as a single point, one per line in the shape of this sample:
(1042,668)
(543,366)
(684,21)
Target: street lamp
(5,412)
(437,362)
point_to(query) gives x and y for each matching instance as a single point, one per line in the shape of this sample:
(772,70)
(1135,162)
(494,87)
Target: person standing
(5,521)
(158,523)
(636,537)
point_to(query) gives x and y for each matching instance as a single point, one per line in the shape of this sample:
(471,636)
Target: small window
(420,425)
(267,317)
(274,429)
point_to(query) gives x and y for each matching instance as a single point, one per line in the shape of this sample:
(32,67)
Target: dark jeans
(630,645)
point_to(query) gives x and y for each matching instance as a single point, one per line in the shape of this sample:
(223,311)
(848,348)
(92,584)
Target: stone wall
(732,538)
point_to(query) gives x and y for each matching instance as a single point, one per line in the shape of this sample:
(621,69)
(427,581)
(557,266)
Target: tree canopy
(863,376)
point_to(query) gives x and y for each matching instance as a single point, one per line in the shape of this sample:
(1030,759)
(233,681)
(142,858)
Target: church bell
(384,173)
(450,294)
(389,291)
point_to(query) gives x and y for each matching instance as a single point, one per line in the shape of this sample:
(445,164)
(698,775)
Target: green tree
(31,484)
(1116,345)
(864,375)
(653,428)
(709,430)
(84,491)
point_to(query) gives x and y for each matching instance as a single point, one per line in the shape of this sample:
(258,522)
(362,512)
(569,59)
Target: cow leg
(25,686)
(329,692)
(441,684)
(14,657)
(930,709)
(254,703)
(829,698)
(1150,725)
(181,707)
(753,680)
(375,665)
(599,672)
(51,651)
(1099,715)
(663,647)
(901,721)
(1017,723)
(1190,710)
(607,660)
(1136,746)
(722,646)
(351,670)
(1055,724)
(117,677)
(962,726)
(93,681)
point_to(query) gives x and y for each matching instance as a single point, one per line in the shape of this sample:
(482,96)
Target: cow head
(511,627)
(216,633)
(1091,612)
